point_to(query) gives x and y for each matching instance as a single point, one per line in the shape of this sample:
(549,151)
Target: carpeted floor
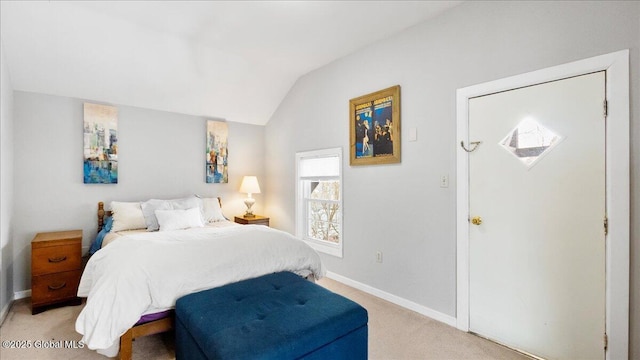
(394,333)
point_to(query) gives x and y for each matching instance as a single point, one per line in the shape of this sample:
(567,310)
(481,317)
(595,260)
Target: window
(529,141)
(319,199)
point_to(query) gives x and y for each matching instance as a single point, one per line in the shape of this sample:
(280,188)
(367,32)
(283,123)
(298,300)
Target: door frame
(616,65)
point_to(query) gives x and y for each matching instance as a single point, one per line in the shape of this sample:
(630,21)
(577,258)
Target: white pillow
(186,203)
(127,216)
(179,219)
(211,210)
(150,206)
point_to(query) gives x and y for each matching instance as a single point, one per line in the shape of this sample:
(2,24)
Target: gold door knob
(476,220)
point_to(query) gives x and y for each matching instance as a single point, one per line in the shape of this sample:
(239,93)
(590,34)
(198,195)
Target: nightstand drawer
(264,222)
(54,287)
(52,259)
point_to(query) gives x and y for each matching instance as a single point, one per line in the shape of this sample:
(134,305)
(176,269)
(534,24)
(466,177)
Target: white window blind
(319,167)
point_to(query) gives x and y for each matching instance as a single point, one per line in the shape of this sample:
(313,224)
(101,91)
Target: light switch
(413,134)
(444,181)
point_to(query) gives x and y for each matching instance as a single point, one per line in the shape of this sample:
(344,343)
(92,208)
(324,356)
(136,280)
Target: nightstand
(56,267)
(256,220)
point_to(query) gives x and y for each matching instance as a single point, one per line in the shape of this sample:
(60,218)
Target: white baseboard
(4,312)
(407,304)
(21,294)
(16,296)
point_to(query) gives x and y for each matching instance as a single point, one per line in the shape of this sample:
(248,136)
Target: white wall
(161,155)
(400,209)
(6,186)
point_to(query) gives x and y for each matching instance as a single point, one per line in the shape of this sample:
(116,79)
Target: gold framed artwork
(374,128)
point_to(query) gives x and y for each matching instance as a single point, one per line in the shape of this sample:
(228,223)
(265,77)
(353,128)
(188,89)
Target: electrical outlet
(379,256)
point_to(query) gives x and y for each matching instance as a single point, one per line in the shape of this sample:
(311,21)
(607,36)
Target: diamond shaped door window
(529,141)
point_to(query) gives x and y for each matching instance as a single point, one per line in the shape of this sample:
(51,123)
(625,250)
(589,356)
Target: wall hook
(473,148)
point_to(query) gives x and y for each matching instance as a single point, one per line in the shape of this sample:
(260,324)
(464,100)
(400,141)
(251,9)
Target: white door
(537,183)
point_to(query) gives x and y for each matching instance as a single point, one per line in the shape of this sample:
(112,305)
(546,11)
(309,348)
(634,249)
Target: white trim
(407,304)
(327,248)
(616,66)
(4,312)
(21,294)
(16,296)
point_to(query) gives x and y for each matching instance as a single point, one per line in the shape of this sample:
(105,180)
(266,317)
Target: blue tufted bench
(275,316)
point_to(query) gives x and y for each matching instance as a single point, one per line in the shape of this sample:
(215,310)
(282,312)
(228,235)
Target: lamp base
(249,203)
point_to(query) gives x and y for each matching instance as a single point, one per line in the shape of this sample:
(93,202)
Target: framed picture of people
(374,128)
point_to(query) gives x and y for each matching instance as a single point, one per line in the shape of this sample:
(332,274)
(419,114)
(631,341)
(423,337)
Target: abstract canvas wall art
(216,155)
(100,144)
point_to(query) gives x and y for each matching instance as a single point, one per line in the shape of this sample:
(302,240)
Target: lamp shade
(250,185)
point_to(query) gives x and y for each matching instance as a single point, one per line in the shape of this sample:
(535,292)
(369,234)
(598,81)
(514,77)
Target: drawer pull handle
(57,287)
(58,259)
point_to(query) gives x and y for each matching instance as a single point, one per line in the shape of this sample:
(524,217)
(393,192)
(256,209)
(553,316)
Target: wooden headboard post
(100,215)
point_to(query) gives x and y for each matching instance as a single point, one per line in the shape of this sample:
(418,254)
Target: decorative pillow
(127,216)
(97,242)
(211,210)
(149,208)
(186,203)
(179,219)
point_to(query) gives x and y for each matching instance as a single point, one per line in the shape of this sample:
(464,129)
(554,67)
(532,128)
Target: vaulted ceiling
(232,60)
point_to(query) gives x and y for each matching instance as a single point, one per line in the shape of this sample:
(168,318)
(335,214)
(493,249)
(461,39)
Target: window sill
(333,250)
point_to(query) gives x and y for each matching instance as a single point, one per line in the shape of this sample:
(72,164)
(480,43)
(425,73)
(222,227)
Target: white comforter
(145,273)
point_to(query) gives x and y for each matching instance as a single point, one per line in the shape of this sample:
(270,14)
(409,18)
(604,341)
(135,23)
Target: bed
(132,282)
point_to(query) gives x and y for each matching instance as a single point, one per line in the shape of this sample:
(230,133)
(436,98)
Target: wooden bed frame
(150,328)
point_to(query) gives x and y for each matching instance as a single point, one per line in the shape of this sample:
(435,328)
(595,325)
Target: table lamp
(250,186)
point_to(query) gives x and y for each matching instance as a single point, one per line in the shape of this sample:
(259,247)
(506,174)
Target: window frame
(302,216)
